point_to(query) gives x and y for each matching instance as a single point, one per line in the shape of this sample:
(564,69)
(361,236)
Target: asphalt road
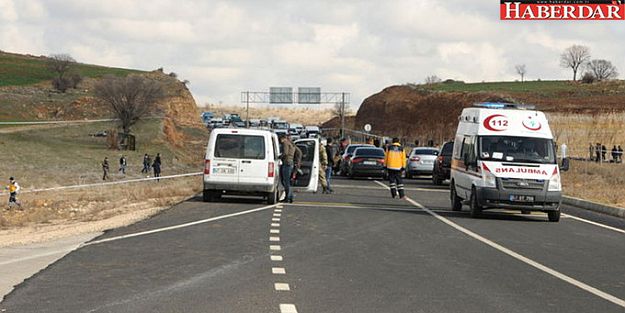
(357,250)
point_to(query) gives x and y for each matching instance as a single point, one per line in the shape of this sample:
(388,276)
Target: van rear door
(254,159)
(308,181)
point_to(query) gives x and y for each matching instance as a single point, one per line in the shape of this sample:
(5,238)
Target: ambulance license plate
(519,198)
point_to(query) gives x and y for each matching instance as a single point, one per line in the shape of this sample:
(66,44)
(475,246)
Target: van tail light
(207,167)
(415,159)
(271,171)
(357,160)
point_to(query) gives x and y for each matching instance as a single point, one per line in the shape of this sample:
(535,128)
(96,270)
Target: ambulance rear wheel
(476,210)
(456,202)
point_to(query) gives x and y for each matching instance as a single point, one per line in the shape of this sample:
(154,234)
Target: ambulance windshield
(517,149)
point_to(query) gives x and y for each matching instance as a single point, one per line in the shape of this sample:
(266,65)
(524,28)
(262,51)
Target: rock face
(412,114)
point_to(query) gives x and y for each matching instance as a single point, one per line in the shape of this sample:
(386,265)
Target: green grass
(20,70)
(513,87)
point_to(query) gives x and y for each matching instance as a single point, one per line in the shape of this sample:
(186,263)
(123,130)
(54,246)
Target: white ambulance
(504,157)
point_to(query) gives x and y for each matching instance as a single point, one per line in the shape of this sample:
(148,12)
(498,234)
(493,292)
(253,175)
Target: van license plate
(227,171)
(517,198)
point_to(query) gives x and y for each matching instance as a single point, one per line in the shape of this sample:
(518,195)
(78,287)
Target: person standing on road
(146,164)
(331,153)
(14,189)
(591,151)
(122,164)
(286,168)
(157,166)
(323,166)
(395,161)
(620,154)
(105,168)
(604,151)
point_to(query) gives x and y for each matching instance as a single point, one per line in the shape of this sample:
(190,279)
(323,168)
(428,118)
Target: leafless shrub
(574,57)
(602,69)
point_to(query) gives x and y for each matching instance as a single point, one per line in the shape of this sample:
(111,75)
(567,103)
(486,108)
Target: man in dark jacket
(288,157)
(157,166)
(331,152)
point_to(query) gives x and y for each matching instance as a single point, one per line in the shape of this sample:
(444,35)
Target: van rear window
(240,147)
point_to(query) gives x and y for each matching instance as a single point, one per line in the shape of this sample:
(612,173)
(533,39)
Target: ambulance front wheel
(476,209)
(554,216)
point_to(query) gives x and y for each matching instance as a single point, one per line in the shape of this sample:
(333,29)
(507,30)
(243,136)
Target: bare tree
(432,79)
(341,110)
(60,65)
(574,57)
(129,98)
(602,69)
(521,70)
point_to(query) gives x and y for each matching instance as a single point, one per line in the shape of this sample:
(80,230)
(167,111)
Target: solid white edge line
(568,279)
(159,230)
(594,223)
(287,308)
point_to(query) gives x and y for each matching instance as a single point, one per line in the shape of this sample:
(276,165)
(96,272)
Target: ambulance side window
(459,142)
(468,150)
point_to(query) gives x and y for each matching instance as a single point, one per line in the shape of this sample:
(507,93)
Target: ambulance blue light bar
(501,105)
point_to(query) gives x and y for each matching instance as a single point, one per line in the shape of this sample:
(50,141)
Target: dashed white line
(276,258)
(287,308)
(274,238)
(275,248)
(282,287)
(278,210)
(274,231)
(275,224)
(275,219)
(278,270)
(277,214)
(528,261)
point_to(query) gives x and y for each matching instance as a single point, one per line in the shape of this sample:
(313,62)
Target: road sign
(368,127)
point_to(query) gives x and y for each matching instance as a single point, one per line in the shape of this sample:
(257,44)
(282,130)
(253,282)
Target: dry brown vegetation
(305,116)
(579,130)
(601,183)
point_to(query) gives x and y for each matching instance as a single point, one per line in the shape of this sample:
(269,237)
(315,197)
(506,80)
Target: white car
(421,161)
(241,162)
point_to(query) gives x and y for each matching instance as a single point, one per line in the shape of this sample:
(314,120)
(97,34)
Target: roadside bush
(61,84)
(74,80)
(588,78)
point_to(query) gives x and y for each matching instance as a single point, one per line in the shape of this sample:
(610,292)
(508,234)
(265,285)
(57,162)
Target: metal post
(342,115)
(247,114)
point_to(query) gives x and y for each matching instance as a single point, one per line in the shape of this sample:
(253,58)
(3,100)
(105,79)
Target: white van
(242,162)
(504,157)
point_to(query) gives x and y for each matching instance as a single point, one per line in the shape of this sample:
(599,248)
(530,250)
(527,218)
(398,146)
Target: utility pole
(342,115)
(247,114)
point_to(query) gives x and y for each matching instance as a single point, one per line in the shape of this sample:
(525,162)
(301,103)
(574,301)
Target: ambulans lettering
(520,170)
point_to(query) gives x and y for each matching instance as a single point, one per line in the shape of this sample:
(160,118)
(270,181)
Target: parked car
(347,155)
(312,131)
(442,165)
(241,162)
(367,162)
(421,161)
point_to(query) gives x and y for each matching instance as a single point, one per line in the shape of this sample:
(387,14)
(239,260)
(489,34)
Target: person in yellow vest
(395,161)
(13,189)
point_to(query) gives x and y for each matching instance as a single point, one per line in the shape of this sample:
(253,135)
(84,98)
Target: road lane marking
(276,258)
(278,270)
(274,231)
(275,224)
(594,223)
(164,229)
(275,219)
(528,261)
(277,214)
(282,287)
(274,238)
(278,210)
(275,248)
(287,308)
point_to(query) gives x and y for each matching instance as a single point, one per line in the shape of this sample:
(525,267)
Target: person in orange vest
(13,189)
(395,160)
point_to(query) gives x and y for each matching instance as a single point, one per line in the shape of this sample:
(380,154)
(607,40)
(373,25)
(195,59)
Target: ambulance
(504,158)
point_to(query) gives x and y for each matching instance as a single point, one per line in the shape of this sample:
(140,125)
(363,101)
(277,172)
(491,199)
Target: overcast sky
(225,47)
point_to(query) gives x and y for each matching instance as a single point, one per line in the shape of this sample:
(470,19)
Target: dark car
(367,162)
(442,165)
(347,155)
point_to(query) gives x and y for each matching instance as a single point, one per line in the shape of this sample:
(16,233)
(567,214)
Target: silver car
(421,161)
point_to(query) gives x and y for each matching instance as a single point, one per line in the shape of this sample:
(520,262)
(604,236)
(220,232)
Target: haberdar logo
(532,124)
(562,9)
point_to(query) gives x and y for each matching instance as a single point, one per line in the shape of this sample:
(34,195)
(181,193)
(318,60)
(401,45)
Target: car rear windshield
(240,147)
(371,152)
(517,149)
(448,148)
(425,152)
(351,148)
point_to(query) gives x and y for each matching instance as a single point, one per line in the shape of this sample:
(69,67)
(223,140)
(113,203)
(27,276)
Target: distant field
(514,87)
(19,70)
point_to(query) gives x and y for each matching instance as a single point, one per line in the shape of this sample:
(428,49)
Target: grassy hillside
(514,87)
(21,70)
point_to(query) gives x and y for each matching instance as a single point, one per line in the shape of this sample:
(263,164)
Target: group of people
(123,165)
(598,152)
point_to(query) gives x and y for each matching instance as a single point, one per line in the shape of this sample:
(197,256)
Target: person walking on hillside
(323,166)
(614,154)
(286,169)
(105,168)
(620,154)
(395,161)
(598,152)
(14,189)
(122,164)
(156,165)
(146,164)
(331,153)
(591,151)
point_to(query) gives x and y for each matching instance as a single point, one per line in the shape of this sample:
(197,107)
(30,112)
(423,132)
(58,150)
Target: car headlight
(489,180)
(555,183)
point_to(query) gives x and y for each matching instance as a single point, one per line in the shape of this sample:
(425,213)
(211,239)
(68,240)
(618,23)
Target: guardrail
(105,183)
